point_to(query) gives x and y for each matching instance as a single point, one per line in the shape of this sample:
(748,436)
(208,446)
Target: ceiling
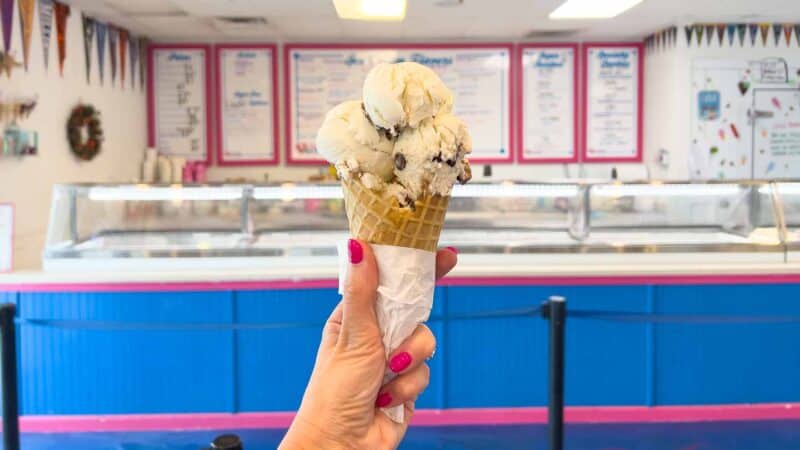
(298,20)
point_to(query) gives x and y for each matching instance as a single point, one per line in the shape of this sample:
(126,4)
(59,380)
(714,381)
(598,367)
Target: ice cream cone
(379,219)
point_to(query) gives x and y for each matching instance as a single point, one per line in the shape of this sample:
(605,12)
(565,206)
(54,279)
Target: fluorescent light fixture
(289,191)
(592,9)
(375,10)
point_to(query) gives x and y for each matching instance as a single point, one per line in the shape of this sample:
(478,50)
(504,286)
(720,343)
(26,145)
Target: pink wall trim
(520,123)
(275,128)
(423,417)
(151,109)
(454,281)
(640,101)
(287,91)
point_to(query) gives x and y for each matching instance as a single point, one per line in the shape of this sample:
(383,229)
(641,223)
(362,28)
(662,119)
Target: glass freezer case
(559,222)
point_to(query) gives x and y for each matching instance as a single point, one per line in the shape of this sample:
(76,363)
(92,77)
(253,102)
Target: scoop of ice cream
(404,94)
(430,158)
(351,142)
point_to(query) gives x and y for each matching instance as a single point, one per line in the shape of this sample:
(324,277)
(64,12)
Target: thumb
(359,322)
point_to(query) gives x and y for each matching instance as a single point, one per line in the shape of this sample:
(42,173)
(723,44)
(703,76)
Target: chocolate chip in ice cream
(466,174)
(451,162)
(438,157)
(399,161)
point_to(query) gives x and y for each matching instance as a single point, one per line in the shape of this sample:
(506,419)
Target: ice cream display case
(295,224)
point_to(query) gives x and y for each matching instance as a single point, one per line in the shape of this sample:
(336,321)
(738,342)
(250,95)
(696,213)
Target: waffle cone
(379,219)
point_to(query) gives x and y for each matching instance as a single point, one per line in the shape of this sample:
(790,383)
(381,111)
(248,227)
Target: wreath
(84,132)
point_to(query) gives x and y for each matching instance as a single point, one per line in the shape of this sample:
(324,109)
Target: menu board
(247,109)
(613,95)
(179,91)
(320,76)
(548,122)
(6,237)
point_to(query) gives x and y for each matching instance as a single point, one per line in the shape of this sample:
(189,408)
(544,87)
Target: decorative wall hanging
(85,132)
(8,63)
(62,12)
(123,48)
(134,43)
(46,28)
(88,36)
(100,33)
(26,27)
(113,33)
(7,15)
(694,33)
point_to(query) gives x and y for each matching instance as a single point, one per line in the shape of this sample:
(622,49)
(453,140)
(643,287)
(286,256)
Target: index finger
(446,259)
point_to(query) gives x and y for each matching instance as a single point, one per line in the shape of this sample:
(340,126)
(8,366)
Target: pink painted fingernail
(452,249)
(383,400)
(355,250)
(400,362)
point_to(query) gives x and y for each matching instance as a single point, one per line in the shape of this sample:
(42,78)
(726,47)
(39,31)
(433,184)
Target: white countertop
(226,270)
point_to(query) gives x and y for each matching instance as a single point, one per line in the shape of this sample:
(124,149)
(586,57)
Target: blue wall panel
(728,363)
(66,371)
(503,362)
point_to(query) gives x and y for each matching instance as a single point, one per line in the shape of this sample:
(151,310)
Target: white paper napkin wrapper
(407,278)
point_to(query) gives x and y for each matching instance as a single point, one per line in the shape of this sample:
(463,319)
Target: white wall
(28,181)
(668,92)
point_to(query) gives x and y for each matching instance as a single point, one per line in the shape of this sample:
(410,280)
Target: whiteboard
(320,76)
(549,103)
(179,92)
(613,102)
(727,95)
(6,237)
(247,114)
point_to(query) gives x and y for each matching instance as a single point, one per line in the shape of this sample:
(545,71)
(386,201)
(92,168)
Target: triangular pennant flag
(688,31)
(776,31)
(797,33)
(113,33)
(123,49)
(753,34)
(26,8)
(741,31)
(658,40)
(88,37)
(134,43)
(62,12)
(709,34)
(100,33)
(143,44)
(7,15)
(787,33)
(721,33)
(731,28)
(764,33)
(46,28)
(698,31)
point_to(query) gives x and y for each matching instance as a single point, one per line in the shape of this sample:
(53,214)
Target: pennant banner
(731,31)
(721,33)
(797,34)
(764,33)
(113,33)
(134,43)
(100,33)
(7,14)
(88,37)
(123,48)
(709,34)
(688,30)
(753,34)
(787,33)
(26,8)
(143,43)
(776,31)
(62,12)
(46,28)
(741,31)
(698,31)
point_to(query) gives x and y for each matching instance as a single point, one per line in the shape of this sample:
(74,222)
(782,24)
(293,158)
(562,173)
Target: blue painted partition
(488,362)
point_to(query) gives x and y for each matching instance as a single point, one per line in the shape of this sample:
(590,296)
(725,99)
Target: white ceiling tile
(145,7)
(260,8)
(171,27)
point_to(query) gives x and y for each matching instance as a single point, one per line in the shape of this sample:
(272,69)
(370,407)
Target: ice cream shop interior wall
(536,111)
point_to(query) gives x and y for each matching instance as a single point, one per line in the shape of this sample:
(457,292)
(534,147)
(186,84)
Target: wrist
(305,435)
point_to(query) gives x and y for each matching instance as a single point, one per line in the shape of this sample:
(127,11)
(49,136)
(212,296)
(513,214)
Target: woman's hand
(339,408)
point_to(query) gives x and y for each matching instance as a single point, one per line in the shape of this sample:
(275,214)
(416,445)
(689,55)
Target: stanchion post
(555,311)
(9,378)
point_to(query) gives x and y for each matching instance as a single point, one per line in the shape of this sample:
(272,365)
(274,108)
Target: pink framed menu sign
(178,100)
(548,109)
(319,76)
(247,107)
(6,237)
(612,95)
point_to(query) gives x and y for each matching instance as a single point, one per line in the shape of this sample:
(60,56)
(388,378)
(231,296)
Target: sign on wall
(178,100)
(612,89)
(247,108)
(548,114)
(745,119)
(320,76)
(6,237)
